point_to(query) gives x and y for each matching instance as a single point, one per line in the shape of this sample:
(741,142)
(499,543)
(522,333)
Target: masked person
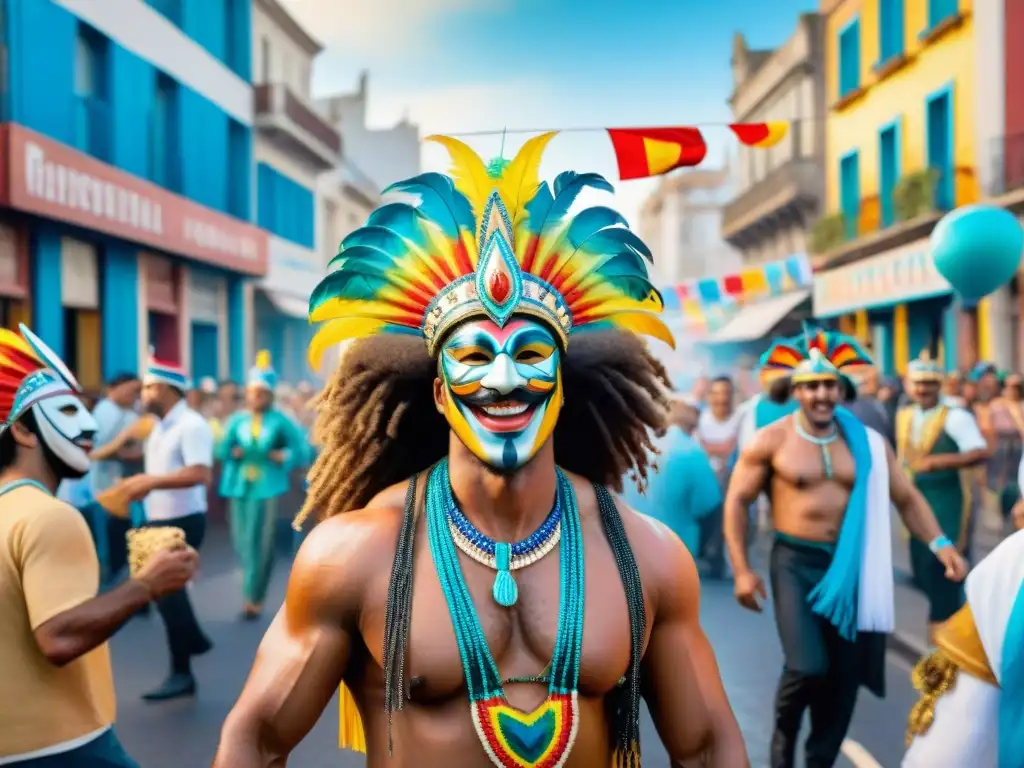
(830,481)
(56,689)
(173,488)
(935,443)
(971,711)
(466,448)
(259,447)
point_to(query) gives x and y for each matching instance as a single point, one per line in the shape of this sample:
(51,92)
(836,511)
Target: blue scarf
(837,595)
(1011,698)
(767,412)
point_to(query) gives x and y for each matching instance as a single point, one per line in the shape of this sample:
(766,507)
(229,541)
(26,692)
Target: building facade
(681,221)
(901,149)
(117,231)
(294,146)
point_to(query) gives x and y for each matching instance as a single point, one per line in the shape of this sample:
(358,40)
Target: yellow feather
(337,331)
(263,359)
(332,309)
(645,324)
(521,177)
(468,172)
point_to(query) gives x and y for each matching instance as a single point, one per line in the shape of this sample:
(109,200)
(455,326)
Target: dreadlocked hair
(377,423)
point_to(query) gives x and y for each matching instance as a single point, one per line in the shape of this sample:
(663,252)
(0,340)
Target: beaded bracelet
(939,542)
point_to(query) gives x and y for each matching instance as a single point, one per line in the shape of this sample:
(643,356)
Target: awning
(755,321)
(288,303)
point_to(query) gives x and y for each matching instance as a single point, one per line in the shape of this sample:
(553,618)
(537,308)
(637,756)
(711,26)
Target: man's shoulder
(31,514)
(193,420)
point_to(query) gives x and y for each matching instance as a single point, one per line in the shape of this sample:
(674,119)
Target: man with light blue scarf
(971,711)
(831,481)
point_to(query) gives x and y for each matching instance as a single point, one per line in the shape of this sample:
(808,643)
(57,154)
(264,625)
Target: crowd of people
(495,393)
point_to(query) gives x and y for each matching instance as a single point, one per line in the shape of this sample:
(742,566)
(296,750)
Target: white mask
(67,428)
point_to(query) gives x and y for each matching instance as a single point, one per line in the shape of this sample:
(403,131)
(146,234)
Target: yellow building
(900,150)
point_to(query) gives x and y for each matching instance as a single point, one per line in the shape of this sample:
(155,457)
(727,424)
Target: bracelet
(939,542)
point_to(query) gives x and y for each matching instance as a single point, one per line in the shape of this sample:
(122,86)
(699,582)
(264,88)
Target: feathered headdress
(487,242)
(813,356)
(29,372)
(262,374)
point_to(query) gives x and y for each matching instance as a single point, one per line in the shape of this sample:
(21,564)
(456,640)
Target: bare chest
(805,465)
(520,639)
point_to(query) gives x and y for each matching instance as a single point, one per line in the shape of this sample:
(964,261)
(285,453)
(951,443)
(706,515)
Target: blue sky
(470,65)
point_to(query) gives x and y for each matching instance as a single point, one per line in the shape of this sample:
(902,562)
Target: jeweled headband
(487,242)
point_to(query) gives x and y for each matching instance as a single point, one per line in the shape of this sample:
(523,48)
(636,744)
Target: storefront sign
(903,274)
(50,179)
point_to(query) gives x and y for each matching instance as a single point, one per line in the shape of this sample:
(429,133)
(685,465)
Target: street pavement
(183,734)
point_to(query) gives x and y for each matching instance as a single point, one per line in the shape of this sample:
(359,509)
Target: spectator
(717,431)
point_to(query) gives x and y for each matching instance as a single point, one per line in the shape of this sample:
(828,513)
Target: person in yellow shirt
(57,701)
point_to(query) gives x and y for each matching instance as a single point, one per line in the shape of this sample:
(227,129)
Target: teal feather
(638,288)
(402,219)
(347,285)
(546,211)
(375,238)
(440,201)
(617,239)
(592,220)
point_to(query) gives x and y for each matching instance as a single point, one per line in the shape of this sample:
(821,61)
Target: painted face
(67,429)
(504,387)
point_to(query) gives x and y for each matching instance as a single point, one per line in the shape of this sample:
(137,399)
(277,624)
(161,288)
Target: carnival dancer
(934,444)
(971,711)
(507,505)
(830,480)
(259,447)
(178,458)
(57,691)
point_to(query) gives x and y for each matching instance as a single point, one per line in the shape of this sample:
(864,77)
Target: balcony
(287,120)
(788,194)
(919,200)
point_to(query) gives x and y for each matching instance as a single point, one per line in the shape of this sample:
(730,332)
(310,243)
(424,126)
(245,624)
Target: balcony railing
(276,100)
(93,127)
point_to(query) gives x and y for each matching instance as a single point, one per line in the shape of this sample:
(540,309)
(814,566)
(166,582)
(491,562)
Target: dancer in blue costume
(259,447)
(474,586)
(830,480)
(971,711)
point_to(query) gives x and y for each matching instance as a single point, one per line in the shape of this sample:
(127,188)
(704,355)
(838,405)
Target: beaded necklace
(511,738)
(503,557)
(822,442)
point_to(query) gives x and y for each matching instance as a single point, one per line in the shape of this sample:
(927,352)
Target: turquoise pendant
(505,591)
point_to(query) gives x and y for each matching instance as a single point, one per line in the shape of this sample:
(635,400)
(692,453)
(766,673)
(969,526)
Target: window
(849,58)
(92,113)
(164,151)
(940,10)
(890,29)
(939,116)
(849,192)
(888,170)
(239,169)
(265,60)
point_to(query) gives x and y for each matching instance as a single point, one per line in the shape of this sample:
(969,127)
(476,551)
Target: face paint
(504,389)
(67,429)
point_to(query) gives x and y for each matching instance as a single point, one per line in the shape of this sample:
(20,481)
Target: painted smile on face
(505,389)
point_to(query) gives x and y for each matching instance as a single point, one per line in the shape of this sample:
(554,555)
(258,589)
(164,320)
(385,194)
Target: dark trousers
(104,751)
(822,672)
(185,638)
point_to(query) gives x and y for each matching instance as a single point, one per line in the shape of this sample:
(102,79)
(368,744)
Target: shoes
(177,686)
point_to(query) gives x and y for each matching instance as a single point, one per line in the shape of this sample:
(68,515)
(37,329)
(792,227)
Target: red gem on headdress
(499,286)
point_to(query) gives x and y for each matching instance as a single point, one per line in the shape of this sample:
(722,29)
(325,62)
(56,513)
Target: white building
(293,146)
(681,222)
(380,156)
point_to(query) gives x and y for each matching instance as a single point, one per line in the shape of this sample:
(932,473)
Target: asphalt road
(184,734)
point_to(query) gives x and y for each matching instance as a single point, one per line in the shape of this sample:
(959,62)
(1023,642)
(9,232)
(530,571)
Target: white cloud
(364,27)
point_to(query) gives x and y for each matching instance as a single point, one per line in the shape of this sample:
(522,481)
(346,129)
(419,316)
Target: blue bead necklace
(501,556)
(544,737)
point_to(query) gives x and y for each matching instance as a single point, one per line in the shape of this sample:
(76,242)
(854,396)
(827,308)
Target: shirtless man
(830,480)
(416,596)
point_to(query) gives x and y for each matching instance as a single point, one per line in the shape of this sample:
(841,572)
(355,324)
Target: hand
(237,452)
(1018,515)
(923,465)
(277,457)
(134,488)
(168,571)
(956,566)
(747,585)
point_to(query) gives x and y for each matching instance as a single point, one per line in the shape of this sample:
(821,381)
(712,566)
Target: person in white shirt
(178,462)
(717,431)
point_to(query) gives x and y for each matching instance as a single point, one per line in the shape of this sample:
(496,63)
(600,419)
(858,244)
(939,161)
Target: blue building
(126,217)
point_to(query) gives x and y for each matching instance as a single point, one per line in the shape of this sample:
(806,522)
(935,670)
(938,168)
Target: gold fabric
(350,724)
(959,649)
(906,449)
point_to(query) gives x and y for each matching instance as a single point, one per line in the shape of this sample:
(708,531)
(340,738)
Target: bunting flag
(643,152)
(760,135)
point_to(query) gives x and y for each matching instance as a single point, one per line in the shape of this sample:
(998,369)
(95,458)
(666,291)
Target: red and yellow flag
(760,135)
(643,152)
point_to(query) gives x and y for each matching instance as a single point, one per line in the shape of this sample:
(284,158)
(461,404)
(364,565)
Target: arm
(745,485)
(303,656)
(681,681)
(60,577)
(972,446)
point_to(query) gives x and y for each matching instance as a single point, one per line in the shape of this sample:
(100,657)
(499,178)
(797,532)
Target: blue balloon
(978,249)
